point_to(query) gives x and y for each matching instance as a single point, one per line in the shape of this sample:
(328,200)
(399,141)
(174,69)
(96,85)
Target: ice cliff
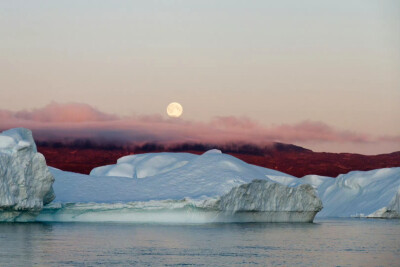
(256,201)
(25,181)
(263,200)
(263,195)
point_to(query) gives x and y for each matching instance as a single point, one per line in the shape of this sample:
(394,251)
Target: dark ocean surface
(328,242)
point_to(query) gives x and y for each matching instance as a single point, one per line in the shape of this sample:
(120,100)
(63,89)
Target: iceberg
(25,181)
(266,201)
(362,193)
(192,192)
(371,194)
(257,201)
(180,188)
(144,165)
(201,176)
(183,188)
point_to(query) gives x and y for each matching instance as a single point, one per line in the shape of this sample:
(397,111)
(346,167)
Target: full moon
(174,110)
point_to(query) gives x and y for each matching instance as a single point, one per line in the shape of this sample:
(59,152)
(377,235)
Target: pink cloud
(61,121)
(387,138)
(234,122)
(316,131)
(68,112)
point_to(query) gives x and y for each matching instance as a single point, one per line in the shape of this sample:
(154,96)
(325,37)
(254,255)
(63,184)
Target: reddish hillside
(290,159)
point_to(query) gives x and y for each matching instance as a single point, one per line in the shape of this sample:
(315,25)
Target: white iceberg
(200,176)
(144,165)
(372,194)
(180,187)
(266,201)
(183,187)
(25,181)
(257,201)
(197,183)
(355,194)
(361,193)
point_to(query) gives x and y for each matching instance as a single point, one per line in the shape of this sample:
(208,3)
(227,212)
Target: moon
(174,110)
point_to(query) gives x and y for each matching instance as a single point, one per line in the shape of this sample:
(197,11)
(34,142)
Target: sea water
(328,242)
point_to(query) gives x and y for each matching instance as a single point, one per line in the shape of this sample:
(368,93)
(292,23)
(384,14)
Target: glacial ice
(355,194)
(203,183)
(257,201)
(25,181)
(372,194)
(183,187)
(266,201)
(361,193)
(210,177)
(264,195)
(201,176)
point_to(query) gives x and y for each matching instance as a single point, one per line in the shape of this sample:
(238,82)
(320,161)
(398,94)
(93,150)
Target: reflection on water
(354,242)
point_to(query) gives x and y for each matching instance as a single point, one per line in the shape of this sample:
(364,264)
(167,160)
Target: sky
(316,73)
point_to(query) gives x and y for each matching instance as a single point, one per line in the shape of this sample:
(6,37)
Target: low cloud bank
(61,122)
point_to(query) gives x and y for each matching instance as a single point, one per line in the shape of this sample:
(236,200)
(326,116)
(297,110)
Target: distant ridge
(83,155)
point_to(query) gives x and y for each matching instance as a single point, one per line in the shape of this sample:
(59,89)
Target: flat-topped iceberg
(198,182)
(25,181)
(355,194)
(180,187)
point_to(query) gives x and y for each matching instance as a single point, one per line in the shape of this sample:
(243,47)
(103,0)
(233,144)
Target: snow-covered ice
(163,182)
(183,187)
(144,165)
(212,175)
(370,194)
(198,177)
(257,201)
(25,181)
(358,193)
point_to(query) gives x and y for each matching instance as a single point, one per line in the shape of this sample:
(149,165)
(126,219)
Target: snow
(144,165)
(212,175)
(203,182)
(187,175)
(25,181)
(183,187)
(357,193)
